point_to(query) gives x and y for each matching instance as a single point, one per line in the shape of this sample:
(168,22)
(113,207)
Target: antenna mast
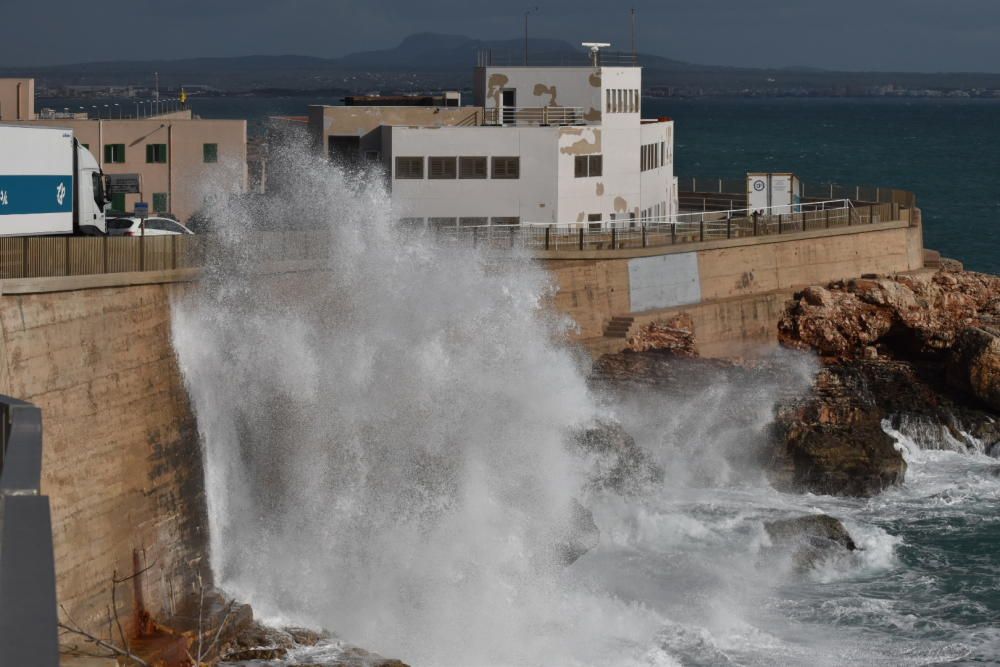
(634,54)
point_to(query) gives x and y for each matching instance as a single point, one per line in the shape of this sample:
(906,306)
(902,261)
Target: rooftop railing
(730,192)
(533,116)
(605,58)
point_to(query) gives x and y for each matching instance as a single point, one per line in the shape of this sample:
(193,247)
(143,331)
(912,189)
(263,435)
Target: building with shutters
(175,154)
(542,145)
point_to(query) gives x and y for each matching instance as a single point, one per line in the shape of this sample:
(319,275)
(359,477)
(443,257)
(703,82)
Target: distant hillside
(429,61)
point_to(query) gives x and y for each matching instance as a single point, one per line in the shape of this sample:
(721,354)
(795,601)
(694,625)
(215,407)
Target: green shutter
(150,155)
(160,202)
(109,153)
(210,153)
(118,203)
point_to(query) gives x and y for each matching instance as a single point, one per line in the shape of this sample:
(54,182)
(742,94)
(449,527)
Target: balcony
(533,116)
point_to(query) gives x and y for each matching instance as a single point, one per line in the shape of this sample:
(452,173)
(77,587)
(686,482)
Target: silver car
(145,226)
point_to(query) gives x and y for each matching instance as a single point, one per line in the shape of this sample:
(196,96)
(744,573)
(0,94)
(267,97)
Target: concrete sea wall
(733,289)
(121,463)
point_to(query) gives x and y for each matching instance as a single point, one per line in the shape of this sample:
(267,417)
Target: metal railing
(28,619)
(721,190)
(517,58)
(522,116)
(684,228)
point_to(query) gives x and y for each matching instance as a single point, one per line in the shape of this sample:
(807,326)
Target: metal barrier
(528,116)
(736,188)
(28,619)
(684,228)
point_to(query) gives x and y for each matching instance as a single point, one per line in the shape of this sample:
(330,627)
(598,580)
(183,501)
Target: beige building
(17,99)
(175,154)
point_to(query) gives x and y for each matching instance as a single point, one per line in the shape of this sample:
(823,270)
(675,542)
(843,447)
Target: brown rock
(812,539)
(974,365)
(832,442)
(674,335)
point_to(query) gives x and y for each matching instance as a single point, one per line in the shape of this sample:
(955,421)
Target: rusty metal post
(701,229)
(729,225)
(643,235)
(755,223)
(581,238)
(548,236)
(614,239)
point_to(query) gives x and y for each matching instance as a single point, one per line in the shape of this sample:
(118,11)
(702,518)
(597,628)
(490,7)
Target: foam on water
(385,456)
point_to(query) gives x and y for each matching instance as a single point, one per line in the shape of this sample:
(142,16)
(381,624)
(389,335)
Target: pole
(634,55)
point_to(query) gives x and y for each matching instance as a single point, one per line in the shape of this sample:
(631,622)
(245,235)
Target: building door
(509,102)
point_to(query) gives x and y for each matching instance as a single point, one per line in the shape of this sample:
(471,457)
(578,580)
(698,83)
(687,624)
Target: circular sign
(759,185)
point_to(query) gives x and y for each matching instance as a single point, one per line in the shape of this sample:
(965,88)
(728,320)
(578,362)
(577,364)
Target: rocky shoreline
(918,352)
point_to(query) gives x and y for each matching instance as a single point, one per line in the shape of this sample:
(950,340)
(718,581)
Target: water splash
(385,435)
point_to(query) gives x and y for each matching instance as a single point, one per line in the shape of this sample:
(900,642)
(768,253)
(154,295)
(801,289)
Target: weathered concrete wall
(734,290)
(122,464)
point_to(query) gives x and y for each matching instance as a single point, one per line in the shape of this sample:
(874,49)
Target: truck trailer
(49,184)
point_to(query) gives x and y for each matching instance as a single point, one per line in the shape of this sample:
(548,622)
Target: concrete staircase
(619,327)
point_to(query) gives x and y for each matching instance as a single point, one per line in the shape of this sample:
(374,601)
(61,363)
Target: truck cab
(91,193)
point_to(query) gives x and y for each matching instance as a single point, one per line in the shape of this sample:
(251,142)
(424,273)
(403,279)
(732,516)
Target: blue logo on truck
(25,195)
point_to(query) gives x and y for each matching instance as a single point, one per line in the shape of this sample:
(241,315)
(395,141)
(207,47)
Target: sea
(385,449)
(946,150)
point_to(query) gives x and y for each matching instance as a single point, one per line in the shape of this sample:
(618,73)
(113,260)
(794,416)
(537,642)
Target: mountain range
(429,61)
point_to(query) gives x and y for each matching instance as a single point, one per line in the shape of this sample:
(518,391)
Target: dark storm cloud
(927,35)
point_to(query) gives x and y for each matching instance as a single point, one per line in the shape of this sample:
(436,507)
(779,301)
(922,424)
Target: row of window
(155,153)
(449,168)
(652,156)
(622,100)
(585,166)
(461,222)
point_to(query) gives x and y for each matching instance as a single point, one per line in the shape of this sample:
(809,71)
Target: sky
(887,35)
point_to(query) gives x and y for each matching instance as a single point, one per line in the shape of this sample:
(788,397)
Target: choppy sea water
(385,457)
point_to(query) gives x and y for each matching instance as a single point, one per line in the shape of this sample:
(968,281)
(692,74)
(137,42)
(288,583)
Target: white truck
(49,183)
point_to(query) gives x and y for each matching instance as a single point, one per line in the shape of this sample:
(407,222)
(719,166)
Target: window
(472,222)
(87,146)
(472,167)
(441,222)
(118,203)
(409,167)
(210,153)
(441,168)
(585,166)
(156,153)
(506,221)
(160,202)
(373,156)
(114,153)
(506,167)
(607,105)
(594,220)
(118,224)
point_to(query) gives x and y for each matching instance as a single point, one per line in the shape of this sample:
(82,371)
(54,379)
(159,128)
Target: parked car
(153,227)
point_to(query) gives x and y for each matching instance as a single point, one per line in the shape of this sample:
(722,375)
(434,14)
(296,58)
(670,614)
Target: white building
(546,145)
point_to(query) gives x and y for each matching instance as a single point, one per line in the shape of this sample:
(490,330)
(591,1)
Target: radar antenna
(595,51)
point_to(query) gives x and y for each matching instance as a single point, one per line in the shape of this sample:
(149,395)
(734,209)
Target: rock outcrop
(620,465)
(907,316)
(674,335)
(832,442)
(812,539)
(974,365)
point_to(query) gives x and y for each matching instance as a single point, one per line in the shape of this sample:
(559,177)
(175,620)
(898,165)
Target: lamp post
(528,13)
